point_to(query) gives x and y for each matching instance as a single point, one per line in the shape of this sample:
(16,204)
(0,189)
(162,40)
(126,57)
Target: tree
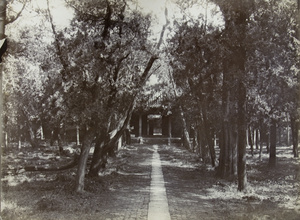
(247,60)
(3,22)
(192,52)
(236,14)
(295,112)
(272,65)
(104,64)
(30,84)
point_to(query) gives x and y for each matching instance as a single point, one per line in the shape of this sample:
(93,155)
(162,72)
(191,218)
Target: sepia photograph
(149,109)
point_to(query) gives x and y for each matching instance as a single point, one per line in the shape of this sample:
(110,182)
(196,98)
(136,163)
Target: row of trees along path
(223,79)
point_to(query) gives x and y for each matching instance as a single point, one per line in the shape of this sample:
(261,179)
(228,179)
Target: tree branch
(107,21)
(163,29)
(14,18)
(57,44)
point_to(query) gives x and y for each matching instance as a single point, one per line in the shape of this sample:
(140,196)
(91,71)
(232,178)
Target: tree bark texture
(295,135)
(273,140)
(257,139)
(208,134)
(242,176)
(234,137)
(250,140)
(234,90)
(186,135)
(226,137)
(85,149)
(33,140)
(106,144)
(2,35)
(203,148)
(98,161)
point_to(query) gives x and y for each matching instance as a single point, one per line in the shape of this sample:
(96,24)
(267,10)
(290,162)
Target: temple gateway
(160,122)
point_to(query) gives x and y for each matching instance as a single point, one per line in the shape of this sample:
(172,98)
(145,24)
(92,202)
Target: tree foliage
(255,54)
(92,73)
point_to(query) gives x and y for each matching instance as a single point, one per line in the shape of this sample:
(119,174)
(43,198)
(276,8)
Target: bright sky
(157,7)
(63,15)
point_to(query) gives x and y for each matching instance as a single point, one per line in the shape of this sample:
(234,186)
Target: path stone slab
(158,205)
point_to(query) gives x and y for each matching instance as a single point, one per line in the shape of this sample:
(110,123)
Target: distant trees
(91,75)
(29,88)
(17,104)
(239,76)
(273,65)
(193,53)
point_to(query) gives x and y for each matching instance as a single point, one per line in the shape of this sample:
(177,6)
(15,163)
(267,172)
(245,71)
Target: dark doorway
(155,124)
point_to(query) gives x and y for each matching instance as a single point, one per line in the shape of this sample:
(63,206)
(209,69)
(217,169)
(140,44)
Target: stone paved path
(158,206)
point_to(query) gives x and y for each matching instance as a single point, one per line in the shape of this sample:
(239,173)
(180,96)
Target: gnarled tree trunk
(85,150)
(106,144)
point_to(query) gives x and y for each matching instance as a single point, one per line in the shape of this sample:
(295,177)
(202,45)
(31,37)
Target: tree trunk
(242,176)
(6,140)
(240,56)
(225,165)
(268,141)
(186,135)
(77,136)
(235,15)
(79,184)
(234,151)
(60,143)
(260,151)
(127,137)
(208,134)
(273,139)
(106,145)
(295,120)
(195,142)
(278,135)
(260,141)
(295,130)
(198,136)
(250,139)
(85,149)
(212,152)
(2,35)
(257,138)
(33,140)
(56,135)
(202,144)
(98,161)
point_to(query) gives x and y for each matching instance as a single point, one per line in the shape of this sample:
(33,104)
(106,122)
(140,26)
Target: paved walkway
(158,206)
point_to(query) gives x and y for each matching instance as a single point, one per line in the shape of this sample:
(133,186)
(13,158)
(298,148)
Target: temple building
(155,120)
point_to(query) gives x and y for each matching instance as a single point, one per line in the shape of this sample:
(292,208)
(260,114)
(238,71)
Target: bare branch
(14,18)
(57,43)
(163,29)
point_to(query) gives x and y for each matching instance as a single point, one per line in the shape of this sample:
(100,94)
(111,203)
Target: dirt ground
(122,191)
